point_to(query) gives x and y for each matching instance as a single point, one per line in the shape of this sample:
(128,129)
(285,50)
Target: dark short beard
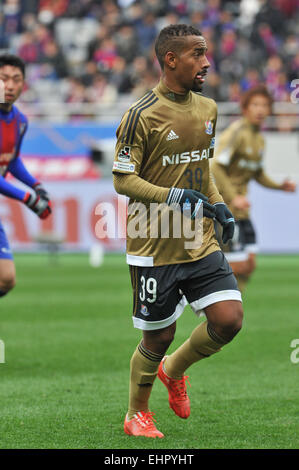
(5,106)
(197,88)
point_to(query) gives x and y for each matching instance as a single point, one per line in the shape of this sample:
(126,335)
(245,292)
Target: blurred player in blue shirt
(13,126)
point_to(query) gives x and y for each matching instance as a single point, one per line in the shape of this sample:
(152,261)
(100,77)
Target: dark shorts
(5,250)
(162,292)
(242,244)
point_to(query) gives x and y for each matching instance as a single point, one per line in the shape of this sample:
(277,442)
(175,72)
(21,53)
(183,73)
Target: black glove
(191,199)
(40,191)
(226,219)
(39,205)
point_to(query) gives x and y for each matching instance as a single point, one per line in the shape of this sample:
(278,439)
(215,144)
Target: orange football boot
(142,425)
(177,394)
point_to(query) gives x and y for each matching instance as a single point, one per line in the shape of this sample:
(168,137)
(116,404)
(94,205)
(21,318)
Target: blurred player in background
(13,126)
(164,143)
(239,159)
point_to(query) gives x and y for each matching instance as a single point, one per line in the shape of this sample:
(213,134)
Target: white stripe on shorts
(157,325)
(251,248)
(200,304)
(237,256)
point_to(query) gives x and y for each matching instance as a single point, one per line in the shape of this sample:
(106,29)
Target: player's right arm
(139,189)
(129,154)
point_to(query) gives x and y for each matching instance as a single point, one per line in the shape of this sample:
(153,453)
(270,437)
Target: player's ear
(170,60)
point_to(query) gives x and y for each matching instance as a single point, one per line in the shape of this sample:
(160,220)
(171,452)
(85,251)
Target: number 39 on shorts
(148,289)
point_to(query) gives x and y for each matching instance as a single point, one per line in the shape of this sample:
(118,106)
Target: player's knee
(240,268)
(232,323)
(251,265)
(7,282)
(165,339)
(236,319)
(159,340)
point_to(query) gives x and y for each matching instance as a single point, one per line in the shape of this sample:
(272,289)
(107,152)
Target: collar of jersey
(7,115)
(253,127)
(173,97)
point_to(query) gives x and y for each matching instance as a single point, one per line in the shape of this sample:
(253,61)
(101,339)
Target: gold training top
(165,140)
(238,159)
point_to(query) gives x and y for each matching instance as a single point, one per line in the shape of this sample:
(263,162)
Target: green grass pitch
(68,340)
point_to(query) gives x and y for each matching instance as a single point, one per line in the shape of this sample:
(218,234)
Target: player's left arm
(262,178)
(20,172)
(223,214)
(213,192)
(39,205)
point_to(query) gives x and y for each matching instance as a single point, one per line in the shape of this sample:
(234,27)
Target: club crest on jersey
(209,127)
(124,155)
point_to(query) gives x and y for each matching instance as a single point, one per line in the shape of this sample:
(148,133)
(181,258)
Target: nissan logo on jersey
(186,157)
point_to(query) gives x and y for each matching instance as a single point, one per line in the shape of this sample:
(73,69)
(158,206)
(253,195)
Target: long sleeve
(19,171)
(16,167)
(266,181)
(213,192)
(223,182)
(10,190)
(139,189)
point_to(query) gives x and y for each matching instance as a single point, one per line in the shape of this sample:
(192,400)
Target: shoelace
(180,387)
(147,420)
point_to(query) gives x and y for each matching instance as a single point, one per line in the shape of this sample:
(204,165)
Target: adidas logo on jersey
(172,135)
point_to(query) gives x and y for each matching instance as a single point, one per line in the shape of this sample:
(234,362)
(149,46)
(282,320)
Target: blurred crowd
(86,51)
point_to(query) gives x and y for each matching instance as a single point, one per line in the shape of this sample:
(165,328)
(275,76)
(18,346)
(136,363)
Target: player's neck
(256,127)
(174,93)
(6,107)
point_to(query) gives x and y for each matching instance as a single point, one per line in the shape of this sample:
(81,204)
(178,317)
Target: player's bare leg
(243,270)
(224,321)
(7,276)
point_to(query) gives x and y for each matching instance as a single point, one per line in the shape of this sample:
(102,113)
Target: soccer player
(13,126)
(239,159)
(164,144)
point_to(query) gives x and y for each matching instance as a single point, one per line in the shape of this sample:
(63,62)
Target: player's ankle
(172,375)
(131,413)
